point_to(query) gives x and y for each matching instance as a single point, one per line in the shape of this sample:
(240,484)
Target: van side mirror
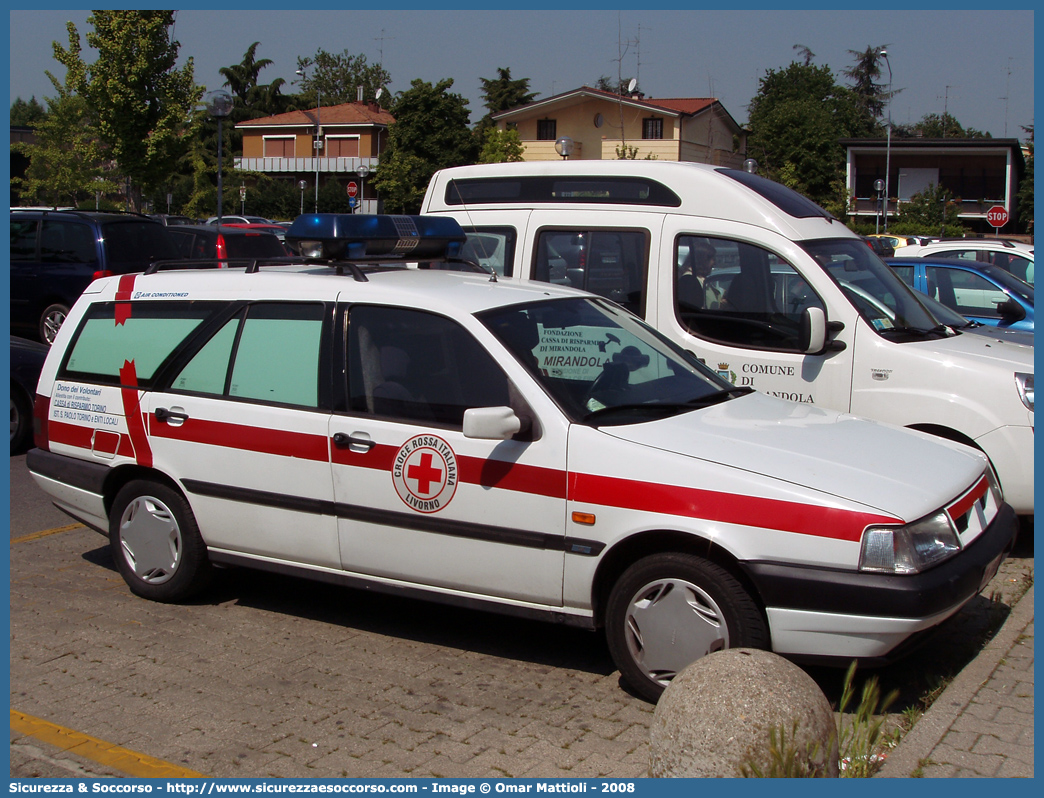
(1011,310)
(491,423)
(815,332)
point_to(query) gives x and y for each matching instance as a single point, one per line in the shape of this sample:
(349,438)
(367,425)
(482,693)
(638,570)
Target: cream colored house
(602,124)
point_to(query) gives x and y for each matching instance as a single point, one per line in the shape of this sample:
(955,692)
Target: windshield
(880,296)
(602,365)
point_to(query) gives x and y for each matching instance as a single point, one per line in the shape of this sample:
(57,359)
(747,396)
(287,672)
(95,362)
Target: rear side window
(610,263)
(107,345)
(132,245)
(268,353)
(253,245)
(491,247)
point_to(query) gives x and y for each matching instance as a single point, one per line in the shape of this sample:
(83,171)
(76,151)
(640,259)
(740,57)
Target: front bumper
(849,614)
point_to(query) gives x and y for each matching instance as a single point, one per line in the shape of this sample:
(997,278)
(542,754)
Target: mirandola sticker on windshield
(425,473)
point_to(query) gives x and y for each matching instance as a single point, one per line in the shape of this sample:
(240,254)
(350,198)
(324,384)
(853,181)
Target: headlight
(1025,385)
(909,549)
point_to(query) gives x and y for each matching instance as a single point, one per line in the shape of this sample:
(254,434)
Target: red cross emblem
(424,473)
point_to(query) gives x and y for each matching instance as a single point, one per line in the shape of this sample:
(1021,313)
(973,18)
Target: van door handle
(176,415)
(359,442)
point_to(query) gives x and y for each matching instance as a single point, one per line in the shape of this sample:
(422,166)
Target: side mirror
(491,423)
(815,333)
(1011,310)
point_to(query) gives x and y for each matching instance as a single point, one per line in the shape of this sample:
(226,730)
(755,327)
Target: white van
(763,285)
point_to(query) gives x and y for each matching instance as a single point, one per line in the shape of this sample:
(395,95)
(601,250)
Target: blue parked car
(979,291)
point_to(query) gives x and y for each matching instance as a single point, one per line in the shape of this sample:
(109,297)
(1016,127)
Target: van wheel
(156,543)
(668,610)
(51,321)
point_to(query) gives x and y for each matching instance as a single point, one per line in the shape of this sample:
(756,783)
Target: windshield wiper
(938,329)
(669,407)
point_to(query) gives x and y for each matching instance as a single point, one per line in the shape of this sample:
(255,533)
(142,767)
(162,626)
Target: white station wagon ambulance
(427,432)
(763,285)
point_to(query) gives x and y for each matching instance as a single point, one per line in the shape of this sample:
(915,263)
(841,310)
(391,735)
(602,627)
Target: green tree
(502,93)
(619,86)
(141,103)
(939,126)
(501,146)
(871,95)
(430,133)
(337,78)
(934,209)
(1025,192)
(66,161)
(797,120)
(27,114)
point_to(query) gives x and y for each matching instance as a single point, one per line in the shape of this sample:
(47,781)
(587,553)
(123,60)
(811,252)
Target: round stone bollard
(720,714)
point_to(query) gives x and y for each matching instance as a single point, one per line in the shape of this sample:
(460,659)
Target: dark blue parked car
(55,255)
(979,291)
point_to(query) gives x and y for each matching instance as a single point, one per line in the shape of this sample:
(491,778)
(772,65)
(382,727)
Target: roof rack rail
(249,265)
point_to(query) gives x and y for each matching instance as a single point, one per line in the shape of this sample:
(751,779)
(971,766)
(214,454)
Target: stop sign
(353,189)
(997,216)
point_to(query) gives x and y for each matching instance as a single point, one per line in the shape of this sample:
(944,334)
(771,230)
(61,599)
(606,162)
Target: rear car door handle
(173,416)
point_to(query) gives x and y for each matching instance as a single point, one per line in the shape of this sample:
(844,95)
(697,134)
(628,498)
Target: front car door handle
(358,442)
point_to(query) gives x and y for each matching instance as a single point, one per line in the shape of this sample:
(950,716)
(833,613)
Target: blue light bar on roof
(354,237)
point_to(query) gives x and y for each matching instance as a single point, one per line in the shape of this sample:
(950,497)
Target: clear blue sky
(975,64)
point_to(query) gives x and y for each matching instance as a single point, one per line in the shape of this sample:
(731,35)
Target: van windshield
(889,306)
(602,365)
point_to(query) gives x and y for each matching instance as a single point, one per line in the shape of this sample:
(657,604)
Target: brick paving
(276,677)
(982,724)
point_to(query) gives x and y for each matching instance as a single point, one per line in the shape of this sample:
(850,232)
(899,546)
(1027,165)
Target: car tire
(51,321)
(156,543)
(668,610)
(21,419)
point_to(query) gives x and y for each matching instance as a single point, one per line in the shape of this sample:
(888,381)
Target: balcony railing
(305,165)
(869,206)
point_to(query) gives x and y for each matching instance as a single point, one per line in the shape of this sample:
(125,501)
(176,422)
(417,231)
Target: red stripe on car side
(132,412)
(962,505)
(281,443)
(805,519)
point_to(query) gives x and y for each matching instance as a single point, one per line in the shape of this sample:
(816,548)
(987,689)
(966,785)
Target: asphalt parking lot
(274,676)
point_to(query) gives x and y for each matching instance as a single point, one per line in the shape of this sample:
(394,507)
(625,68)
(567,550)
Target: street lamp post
(362,171)
(564,147)
(888,145)
(878,187)
(302,184)
(318,141)
(219,105)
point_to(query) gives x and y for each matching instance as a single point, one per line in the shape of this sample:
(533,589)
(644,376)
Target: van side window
(142,333)
(491,247)
(64,242)
(23,239)
(610,263)
(414,366)
(270,354)
(736,293)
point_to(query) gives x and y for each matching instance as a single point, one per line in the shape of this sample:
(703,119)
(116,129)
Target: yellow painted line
(112,756)
(37,535)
